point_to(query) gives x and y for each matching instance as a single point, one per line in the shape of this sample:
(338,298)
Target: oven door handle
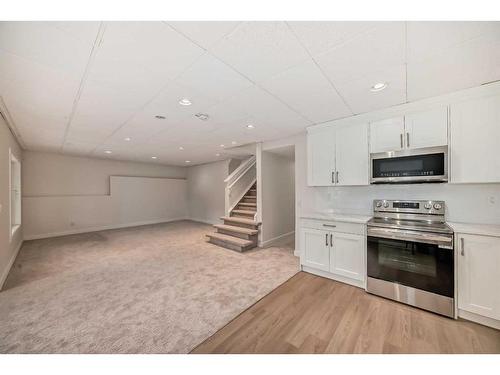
(443,241)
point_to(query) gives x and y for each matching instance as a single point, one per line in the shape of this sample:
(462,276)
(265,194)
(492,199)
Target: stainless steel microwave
(410,166)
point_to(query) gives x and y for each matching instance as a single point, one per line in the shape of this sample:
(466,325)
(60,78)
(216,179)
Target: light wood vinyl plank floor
(311,314)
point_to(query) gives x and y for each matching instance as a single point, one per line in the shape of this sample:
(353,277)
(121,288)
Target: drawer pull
(326,239)
(330,225)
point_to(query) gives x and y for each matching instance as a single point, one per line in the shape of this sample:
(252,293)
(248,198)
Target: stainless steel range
(410,254)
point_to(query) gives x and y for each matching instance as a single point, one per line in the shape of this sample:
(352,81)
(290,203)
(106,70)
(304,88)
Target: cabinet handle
(407,139)
(462,246)
(401,139)
(331,241)
(326,239)
(330,225)
(333,177)
(337,173)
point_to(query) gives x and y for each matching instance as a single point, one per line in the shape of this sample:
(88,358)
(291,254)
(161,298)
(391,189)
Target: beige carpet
(152,289)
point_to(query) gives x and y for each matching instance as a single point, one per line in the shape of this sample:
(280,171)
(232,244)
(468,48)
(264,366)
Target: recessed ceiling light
(250,126)
(127,139)
(185,101)
(160,117)
(108,152)
(233,142)
(217,154)
(154,157)
(222,146)
(181,148)
(188,161)
(378,87)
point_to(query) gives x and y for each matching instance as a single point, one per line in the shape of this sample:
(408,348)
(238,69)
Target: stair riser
(251,237)
(243,216)
(249,200)
(241,225)
(246,208)
(251,194)
(226,245)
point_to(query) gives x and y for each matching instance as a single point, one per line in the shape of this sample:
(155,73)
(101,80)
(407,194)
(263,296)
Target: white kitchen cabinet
(332,253)
(338,155)
(352,156)
(387,135)
(321,157)
(475,141)
(346,255)
(315,247)
(427,128)
(478,274)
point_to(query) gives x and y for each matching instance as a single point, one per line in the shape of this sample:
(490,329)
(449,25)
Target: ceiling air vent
(202,116)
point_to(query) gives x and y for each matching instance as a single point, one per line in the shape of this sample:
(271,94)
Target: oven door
(412,261)
(407,166)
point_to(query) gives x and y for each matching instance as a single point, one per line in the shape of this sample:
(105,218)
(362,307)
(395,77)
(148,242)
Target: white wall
(277,196)
(65,194)
(8,247)
(206,191)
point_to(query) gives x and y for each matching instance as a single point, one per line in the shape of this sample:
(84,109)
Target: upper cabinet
(415,130)
(475,140)
(387,135)
(338,155)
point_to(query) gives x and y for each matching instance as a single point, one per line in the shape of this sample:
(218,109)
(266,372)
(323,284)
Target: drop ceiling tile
(131,50)
(212,78)
(204,34)
(428,38)
(469,64)
(359,97)
(309,92)
(321,36)
(378,49)
(260,49)
(265,107)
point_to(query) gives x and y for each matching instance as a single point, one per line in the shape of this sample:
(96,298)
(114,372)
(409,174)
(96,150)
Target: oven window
(408,166)
(418,265)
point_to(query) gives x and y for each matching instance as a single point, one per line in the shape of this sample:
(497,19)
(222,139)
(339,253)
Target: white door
(479,275)
(427,129)
(387,135)
(475,140)
(352,157)
(321,157)
(347,256)
(315,248)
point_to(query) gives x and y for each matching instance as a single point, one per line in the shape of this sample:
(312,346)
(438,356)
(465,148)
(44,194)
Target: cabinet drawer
(334,226)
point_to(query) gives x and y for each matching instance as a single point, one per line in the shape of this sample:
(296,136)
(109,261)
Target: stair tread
(243,212)
(247,204)
(233,228)
(240,220)
(233,240)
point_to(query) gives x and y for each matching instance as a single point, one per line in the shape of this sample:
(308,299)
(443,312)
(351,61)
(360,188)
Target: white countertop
(480,229)
(325,215)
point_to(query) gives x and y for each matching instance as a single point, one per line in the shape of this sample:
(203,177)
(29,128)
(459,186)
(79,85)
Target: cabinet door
(352,157)
(478,275)
(347,256)
(315,248)
(321,157)
(387,135)
(475,139)
(427,129)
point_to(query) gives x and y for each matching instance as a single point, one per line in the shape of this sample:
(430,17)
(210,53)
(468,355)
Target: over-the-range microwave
(410,166)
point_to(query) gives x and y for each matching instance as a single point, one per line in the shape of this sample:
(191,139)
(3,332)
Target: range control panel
(413,207)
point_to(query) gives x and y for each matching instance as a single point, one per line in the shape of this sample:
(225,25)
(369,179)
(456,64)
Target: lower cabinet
(478,275)
(340,256)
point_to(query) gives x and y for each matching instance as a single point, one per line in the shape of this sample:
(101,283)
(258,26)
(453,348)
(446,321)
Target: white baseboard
(204,221)
(485,321)
(328,275)
(276,239)
(10,264)
(100,228)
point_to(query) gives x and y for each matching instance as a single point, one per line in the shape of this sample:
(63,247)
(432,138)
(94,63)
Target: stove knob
(379,204)
(428,206)
(386,204)
(437,206)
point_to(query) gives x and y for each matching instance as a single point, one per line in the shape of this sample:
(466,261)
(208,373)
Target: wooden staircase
(239,230)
